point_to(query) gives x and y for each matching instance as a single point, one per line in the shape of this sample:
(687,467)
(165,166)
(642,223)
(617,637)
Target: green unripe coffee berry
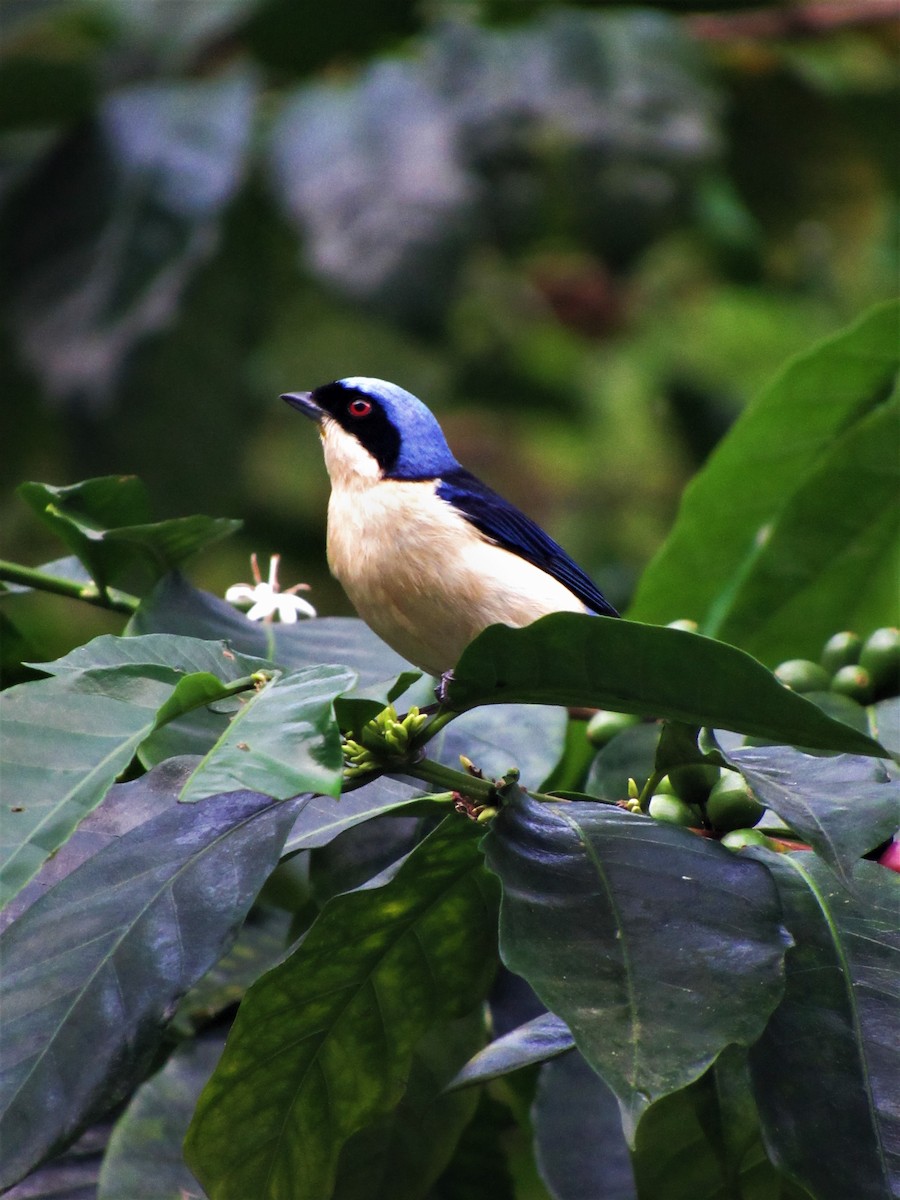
(603,726)
(665,787)
(671,810)
(731,804)
(880,656)
(842,650)
(802,675)
(693,781)
(737,839)
(854,682)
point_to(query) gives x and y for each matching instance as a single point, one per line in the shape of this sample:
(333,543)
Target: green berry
(603,726)
(665,787)
(802,675)
(842,650)
(880,656)
(738,839)
(692,782)
(731,804)
(671,810)
(854,682)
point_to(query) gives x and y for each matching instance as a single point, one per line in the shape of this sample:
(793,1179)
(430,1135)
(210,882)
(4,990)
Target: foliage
(203,813)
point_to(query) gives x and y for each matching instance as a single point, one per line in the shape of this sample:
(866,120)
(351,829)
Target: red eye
(359,408)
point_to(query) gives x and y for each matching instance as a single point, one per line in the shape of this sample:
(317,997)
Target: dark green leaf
(583,661)
(176,655)
(105,522)
(825,1070)
(537,1040)
(842,806)
(322,1045)
(401,1155)
(784,434)
(581,1151)
(323,818)
(176,607)
(144,1160)
(65,741)
(123,807)
(282,742)
(801,580)
(607,915)
(704,1141)
(93,968)
(629,755)
(504,736)
(479,1169)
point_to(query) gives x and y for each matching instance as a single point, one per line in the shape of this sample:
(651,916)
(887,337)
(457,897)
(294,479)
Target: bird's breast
(424,578)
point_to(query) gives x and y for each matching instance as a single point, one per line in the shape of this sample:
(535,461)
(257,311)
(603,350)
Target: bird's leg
(443,685)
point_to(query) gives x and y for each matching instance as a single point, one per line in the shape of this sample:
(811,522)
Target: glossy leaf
(322,1045)
(282,742)
(123,807)
(802,579)
(607,915)
(842,806)
(400,1156)
(785,435)
(144,1160)
(177,655)
(65,741)
(583,661)
(323,818)
(578,1141)
(536,1041)
(504,736)
(93,968)
(825,1070)
(176,607)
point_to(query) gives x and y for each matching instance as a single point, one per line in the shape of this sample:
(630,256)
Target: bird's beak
(304,403)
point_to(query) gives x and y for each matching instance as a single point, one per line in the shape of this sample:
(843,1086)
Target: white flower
(267,599)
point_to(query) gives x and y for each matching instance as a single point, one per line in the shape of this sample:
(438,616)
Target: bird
(428,555)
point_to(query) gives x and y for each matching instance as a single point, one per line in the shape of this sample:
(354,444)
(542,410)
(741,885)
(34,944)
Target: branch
(40,581)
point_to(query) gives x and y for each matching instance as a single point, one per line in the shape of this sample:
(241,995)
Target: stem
(448,779)
(114,600)
(436,724)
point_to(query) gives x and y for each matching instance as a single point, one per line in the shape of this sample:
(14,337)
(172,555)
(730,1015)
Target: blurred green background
(584,235)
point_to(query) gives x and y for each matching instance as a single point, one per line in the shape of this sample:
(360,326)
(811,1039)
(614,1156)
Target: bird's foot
(443,686)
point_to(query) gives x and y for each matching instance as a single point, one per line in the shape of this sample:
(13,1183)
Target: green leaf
(801,580)
(177,608)
(144,1160)
(781,439)
(584,661)
(629,755)
(479,1169)
(578,1139)
(825,1071)
(842,806)
(399,1156)
(504,736)
(536,1041)
(176,655)
(105,522)
(65,741)
(322,1045)
(607,915)
(282,742)
(323,818)
(94,966)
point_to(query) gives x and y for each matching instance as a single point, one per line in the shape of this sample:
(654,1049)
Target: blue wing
(502,523)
